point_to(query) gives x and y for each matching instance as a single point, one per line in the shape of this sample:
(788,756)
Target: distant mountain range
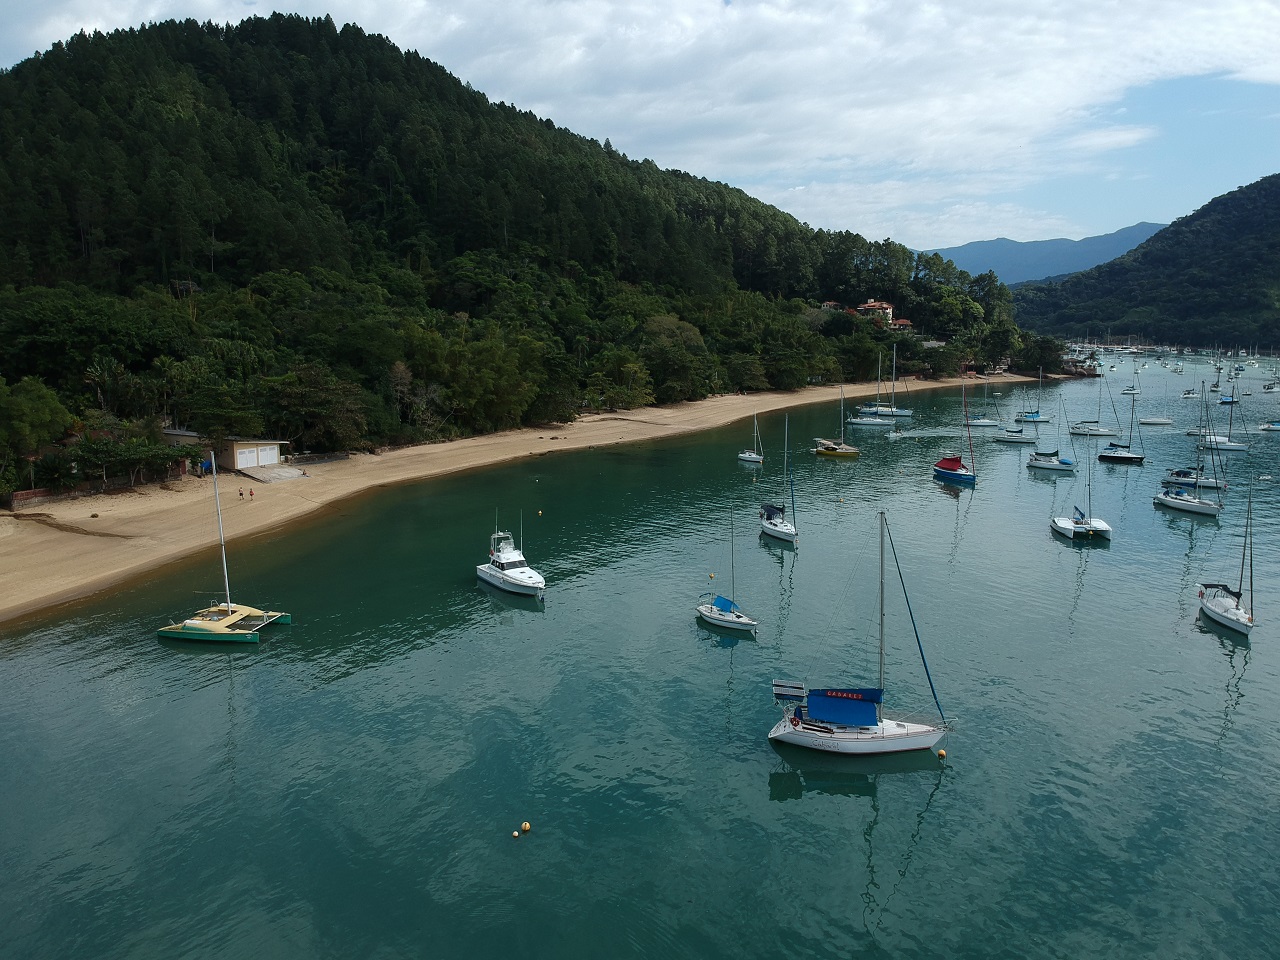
(1015,262)
(1209,278)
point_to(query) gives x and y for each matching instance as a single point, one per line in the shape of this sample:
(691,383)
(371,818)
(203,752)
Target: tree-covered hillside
(1209,279)
(283,227)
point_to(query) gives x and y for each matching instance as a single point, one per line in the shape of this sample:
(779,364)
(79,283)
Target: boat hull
(531,586)
(1090,528)
(750,456)
(779,531)
(1041,463)
(955,476)
(727,620)
(1123,457)
(888,736)
(1225,612)
(1186,503)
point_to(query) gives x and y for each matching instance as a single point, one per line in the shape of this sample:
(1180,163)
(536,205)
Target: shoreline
(65,551)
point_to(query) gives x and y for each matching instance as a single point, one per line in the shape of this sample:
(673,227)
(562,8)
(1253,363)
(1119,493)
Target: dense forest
(283,228)
(1209,279)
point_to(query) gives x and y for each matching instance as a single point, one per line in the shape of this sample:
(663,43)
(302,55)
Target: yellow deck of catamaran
(239,623)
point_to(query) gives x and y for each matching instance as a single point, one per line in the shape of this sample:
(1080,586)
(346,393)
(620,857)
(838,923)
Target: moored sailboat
(851,720)
(1224,604)
(773,516)
(754,453)
(226,621)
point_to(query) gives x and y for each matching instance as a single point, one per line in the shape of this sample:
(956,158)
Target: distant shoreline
(56,553)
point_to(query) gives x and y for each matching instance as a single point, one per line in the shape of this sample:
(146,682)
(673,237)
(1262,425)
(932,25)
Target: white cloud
(892,115)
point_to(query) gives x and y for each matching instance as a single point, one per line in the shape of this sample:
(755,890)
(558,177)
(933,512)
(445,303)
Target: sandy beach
(53,553)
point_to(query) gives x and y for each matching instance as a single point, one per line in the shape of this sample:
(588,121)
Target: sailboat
(879,409)
(1094,428)
(227,621)
(754,453)
(1163,420)
(1134,388)
(1227,444)
(851,720)
(1123,453)
(1050,459)
(982,421)
(1222,604)
(836,448)
(1185,496)
(773,516)
(1081,525)
(951,468)
(1034,416)
(721,611)
(507,568)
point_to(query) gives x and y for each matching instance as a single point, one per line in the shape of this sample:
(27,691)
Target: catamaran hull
(1085,530)
(889,736)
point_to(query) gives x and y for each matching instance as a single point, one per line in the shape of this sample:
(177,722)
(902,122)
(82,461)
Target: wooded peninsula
(286,229)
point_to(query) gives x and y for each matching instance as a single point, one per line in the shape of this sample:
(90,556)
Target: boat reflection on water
(505,600)
(800,771)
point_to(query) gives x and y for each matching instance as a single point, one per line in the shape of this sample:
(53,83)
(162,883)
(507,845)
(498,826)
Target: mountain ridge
(1017,261)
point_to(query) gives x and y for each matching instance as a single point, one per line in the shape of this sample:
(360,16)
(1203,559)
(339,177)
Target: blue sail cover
(724,604)
(853,708)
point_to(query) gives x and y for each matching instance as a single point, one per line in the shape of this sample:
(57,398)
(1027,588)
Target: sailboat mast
(222,540)
(893,381)
(973,466)
(879,717)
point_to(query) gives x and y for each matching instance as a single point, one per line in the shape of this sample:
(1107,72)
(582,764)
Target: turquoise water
(350,787)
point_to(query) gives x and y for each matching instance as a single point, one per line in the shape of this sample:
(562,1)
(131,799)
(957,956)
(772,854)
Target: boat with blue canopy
(851,720)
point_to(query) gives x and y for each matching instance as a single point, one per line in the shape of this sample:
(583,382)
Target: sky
(929,123)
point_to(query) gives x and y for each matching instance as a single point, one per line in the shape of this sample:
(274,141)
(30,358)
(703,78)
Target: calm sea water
(350,787)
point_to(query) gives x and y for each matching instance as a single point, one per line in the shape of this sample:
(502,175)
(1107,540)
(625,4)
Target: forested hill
(283,227)
(1208,279)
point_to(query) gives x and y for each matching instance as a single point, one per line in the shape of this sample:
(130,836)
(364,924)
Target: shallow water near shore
(350,786)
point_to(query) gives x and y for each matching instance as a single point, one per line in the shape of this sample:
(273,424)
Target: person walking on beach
(251,494)
(242,494)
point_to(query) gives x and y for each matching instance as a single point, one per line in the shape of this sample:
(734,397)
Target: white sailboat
(1094,428)
(1185,496)
(1123,453)
(722,611)
(507,568)
(1034,416)
(226,621)
(1051,460)
(851,720)
(836,449)
(1081,525)
(773,516)
(983,421)
(1225,605)
(754,453)
(889,409)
